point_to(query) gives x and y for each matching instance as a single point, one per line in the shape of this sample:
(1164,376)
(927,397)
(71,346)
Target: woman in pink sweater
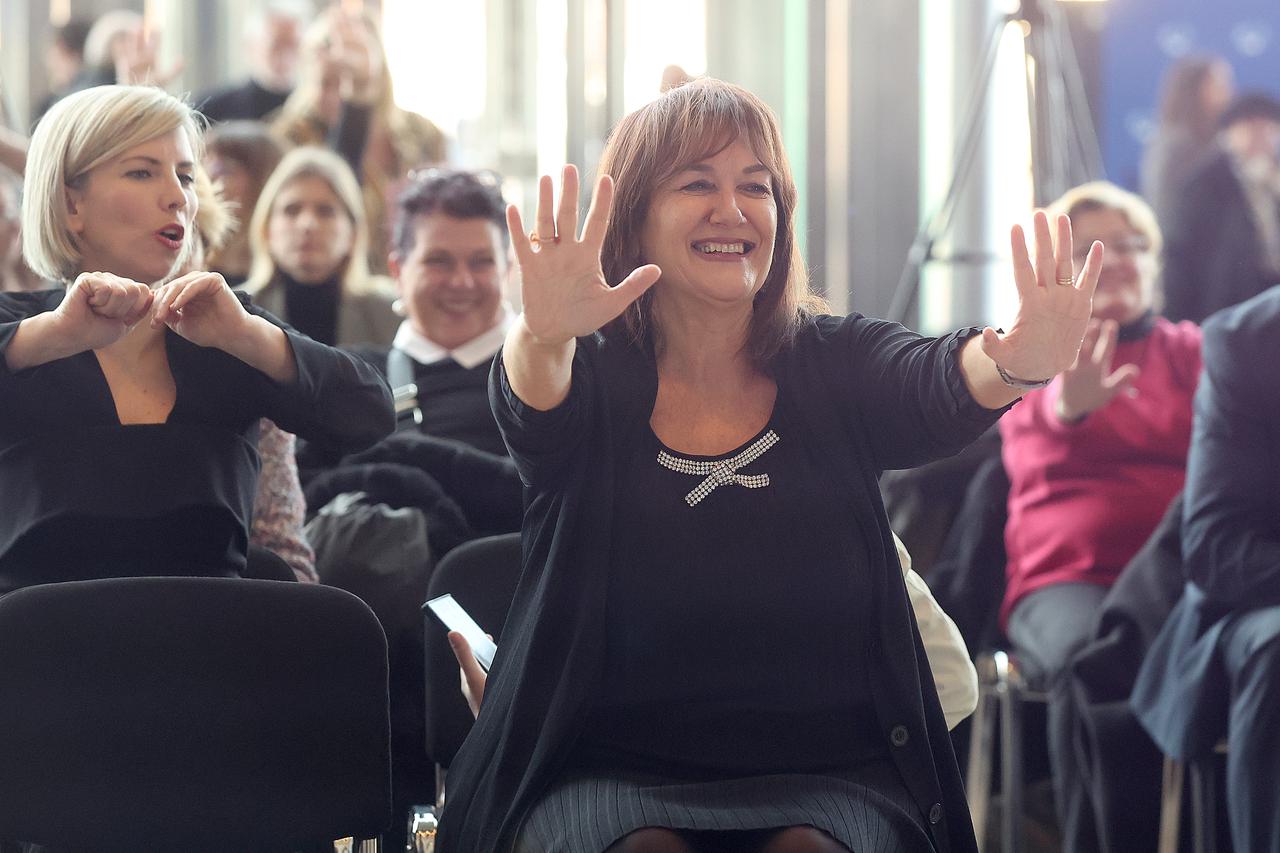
(1093,461)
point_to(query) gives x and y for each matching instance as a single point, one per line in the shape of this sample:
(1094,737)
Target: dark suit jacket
(1214,257)
(1231,527)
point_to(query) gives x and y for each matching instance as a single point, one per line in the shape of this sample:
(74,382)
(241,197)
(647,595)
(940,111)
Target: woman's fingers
(116,298)
(472,676)
(567,218)
(1024,274)
(519,240)
(1088,281)
(1105,347)
(1045,261)
(202,285)
(593,230)
(633,287)
(545,222)
(1124,377)
(1063,270)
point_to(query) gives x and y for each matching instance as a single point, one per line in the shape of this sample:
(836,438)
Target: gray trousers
(1047,628)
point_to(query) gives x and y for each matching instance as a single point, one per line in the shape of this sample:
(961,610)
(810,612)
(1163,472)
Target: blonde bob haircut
(1104,195)
(79,133)
(311,162)
(688,124)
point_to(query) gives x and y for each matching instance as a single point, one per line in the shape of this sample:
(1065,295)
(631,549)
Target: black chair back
(482,576)
(191,714)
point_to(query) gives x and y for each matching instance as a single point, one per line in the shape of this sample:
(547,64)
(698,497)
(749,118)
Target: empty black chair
(191,714)
(482,576)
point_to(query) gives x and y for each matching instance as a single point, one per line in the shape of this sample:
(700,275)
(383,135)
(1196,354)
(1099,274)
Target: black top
(312,308)
(76,484)
(453,400)
(1214,254)
(740,612)
(867,396)
(248,100)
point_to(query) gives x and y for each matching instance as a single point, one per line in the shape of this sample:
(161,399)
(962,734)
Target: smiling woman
(131,400)
(711,646)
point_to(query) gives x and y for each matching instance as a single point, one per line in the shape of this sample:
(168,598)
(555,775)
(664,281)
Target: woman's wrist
(264,346)
(1066,415)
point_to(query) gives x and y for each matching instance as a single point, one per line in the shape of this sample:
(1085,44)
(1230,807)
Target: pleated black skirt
(868,811)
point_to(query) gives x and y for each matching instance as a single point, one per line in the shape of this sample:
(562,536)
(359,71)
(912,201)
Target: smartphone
(450,612)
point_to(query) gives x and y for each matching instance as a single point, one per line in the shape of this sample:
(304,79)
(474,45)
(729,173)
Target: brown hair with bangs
(686,125)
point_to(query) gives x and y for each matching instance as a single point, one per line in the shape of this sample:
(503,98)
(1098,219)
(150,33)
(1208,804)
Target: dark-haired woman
(711,645)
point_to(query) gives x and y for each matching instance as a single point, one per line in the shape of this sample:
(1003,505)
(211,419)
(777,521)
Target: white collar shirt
(473,353)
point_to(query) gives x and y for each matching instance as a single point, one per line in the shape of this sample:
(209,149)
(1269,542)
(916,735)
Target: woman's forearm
(539,373)
(36,342)
(265,346)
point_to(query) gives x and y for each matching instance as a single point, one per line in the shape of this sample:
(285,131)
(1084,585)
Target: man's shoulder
(1245,335)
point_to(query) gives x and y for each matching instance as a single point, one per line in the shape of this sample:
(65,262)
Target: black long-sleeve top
(868,396)
(82,495)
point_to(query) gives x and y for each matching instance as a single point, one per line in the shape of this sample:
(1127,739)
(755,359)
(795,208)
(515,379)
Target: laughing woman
(711,646)
(128,443)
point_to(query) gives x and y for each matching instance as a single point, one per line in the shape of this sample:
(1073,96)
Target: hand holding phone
(450,612)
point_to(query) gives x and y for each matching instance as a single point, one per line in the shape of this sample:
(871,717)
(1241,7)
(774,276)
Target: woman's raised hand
(99,308)
(562,283)
(1054,305)
(1090,384)
(200,307)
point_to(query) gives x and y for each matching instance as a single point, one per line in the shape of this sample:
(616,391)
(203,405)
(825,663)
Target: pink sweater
(1084,497)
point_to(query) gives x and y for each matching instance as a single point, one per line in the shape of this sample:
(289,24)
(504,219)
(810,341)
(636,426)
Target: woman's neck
(140,341)
(702,345)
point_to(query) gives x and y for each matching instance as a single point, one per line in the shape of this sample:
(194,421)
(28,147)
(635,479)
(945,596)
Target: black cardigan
(872,396)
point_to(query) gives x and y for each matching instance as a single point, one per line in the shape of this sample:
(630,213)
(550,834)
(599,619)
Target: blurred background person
(344,99)
(1094,460)
(273,36)
(1224,233)
(1196,90)
(64,62)
(310,243)
(240,156)
(279,507)
(14,273)
(1213,671)
(449,262)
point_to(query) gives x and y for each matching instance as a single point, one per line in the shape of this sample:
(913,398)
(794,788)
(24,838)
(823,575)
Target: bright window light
(436,54)
(661,33)
(1010,191)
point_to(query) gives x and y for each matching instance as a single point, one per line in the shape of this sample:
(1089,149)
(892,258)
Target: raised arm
(563,290)
(1053,312)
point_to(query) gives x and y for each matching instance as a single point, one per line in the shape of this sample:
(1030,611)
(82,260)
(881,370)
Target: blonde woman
(132,398)
(344,100)
(310,242)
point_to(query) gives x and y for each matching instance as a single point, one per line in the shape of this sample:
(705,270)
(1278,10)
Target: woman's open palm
(1054,304)
(562,283)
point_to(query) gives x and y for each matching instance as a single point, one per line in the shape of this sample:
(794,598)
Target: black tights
(794,839)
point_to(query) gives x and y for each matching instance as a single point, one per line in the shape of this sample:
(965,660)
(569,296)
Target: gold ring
(1069,282)
(536,240)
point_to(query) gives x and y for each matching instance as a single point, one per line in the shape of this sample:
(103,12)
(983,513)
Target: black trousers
(1250,647)
(1047,628)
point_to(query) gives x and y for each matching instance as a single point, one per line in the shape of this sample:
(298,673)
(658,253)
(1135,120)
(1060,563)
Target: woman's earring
(397,306)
